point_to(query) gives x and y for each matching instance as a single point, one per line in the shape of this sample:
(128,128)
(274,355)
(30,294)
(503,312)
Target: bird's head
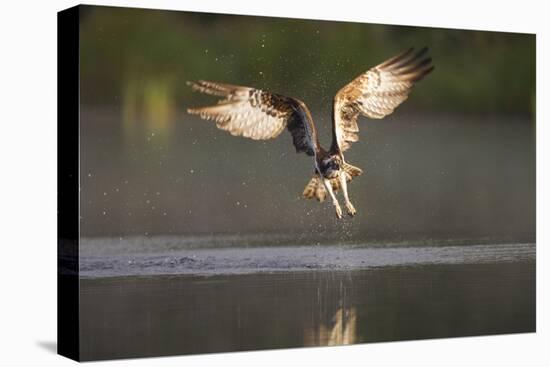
(330,166)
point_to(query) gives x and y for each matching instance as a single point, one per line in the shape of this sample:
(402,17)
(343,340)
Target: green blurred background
(457,160)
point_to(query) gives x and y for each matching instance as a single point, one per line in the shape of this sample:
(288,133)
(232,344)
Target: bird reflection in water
(340,330)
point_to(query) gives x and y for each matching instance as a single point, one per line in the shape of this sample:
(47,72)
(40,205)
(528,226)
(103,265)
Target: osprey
(262,115)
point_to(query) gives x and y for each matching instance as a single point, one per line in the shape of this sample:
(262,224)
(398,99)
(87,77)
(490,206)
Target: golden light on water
(341,331)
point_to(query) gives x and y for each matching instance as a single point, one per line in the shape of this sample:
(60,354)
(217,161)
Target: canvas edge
(68,325)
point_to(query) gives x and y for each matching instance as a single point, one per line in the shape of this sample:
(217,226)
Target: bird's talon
(351,209)
(338,212)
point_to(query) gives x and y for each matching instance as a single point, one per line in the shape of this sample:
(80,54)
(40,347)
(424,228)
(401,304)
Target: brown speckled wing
(257,114)
(375,94)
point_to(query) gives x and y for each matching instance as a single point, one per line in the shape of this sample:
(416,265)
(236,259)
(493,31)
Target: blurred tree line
(136,57)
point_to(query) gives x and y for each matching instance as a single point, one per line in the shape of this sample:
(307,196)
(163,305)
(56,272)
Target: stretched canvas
(232,183)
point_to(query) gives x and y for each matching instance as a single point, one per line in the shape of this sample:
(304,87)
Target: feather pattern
(316,189)
(375,94)
(257,114)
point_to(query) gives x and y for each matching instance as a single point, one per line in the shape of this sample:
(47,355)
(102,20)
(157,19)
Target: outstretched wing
(376,94)
(258,114)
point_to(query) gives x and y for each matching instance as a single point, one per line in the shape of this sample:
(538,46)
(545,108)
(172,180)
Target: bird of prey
(261,115)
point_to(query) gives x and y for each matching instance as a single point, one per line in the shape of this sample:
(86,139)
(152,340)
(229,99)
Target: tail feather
(316,189)
(352,170)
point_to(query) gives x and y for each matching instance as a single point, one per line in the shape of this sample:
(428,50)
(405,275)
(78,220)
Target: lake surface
(201,300)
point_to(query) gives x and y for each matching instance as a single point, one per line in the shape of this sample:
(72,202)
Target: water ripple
(243,260)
